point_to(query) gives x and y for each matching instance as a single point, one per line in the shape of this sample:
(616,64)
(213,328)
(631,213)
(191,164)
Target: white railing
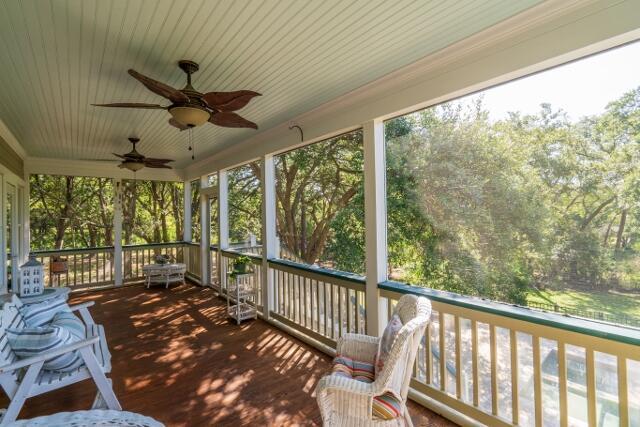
(503,365)
(87,267)
(94,267)
(321,303)
(192,260)
(134,257)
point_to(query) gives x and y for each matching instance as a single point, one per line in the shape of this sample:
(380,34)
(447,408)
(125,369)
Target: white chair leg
(407,417)
(103,384)
(18,399)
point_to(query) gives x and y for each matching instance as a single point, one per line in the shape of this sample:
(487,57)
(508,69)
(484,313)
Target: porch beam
(375,214)
(269,238)
(205,233)
(117,232)
(223,223)
(186,226)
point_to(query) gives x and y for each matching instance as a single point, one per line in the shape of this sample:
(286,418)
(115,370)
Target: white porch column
(269,239)
(223,223)
(186,226)
(117,232)
(375,222)
(205,234)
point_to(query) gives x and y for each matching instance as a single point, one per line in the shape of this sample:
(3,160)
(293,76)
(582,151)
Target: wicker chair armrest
(358,347)
(340,395)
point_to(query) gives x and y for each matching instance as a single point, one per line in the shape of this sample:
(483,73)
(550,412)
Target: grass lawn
(612,302)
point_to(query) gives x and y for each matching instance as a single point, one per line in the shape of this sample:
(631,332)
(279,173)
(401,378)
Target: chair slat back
(9,318)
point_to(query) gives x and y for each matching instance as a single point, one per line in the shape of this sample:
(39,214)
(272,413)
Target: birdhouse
(31,278)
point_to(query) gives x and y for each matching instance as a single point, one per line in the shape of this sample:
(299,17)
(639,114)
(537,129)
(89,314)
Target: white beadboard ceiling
(59,56)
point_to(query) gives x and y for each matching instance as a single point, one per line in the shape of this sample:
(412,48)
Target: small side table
(48,293)
(241,297)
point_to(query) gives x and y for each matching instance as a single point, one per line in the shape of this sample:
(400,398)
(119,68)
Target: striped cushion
(40,314)
(346,367)
(386,406)
(65,329)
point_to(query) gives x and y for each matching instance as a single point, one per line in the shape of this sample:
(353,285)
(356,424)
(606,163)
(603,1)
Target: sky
(580,88)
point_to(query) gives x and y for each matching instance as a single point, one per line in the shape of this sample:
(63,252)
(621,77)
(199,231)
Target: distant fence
(587,314)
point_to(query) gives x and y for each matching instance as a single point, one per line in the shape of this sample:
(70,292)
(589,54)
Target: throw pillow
(388,337)
(41,313)
(64,329)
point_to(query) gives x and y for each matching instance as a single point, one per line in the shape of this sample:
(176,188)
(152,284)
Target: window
(526,192)
(320,203)
(70,212)
(152,211)
(245,208)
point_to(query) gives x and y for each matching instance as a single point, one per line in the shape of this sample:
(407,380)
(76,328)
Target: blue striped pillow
(65,329)
(40,314)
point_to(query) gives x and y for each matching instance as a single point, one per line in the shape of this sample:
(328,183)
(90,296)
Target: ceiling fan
(190,108)
(135,161)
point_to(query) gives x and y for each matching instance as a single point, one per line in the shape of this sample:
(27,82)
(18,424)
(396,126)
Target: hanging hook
(299,129)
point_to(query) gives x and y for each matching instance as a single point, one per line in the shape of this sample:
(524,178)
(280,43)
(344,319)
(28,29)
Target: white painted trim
(96,168)
(8,136)
(552,33)
(223,209)
(186,226)
(205,233)
(375,218)
(117,232)
(269,234)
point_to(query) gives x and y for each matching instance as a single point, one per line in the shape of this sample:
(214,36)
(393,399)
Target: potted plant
(161,259)
(240,264)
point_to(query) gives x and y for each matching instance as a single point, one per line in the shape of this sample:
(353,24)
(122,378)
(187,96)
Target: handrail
(233,254)
(564,322)
(102,248)
(350,277)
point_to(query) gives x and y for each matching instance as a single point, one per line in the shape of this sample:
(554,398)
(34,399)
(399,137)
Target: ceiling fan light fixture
(132,166)
(190,115)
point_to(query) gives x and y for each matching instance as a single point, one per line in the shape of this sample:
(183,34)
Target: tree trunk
(623,220)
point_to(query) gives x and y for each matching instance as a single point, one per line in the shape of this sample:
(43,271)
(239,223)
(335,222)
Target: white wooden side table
(241,297)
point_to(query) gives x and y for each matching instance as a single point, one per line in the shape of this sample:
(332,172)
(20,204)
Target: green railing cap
(555,320)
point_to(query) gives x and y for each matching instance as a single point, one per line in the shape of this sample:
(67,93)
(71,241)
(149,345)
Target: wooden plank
(562,384)
(623,390)
(515,408)
(494,370)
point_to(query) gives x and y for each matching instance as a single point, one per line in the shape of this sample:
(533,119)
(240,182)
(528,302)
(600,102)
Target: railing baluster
(494,369)
(427,350)
(623,390)
(443,357)
(513,340)
(458,357)
(340,312)
(537,380)
(474,363)
(591,386)
(562,383)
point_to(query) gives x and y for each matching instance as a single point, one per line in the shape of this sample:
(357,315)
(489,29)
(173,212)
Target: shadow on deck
(176,358)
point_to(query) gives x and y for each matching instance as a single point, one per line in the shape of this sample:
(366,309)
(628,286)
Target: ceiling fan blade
(124,157)
(132,105)
(159,88)
(173,122)
(229,101)
(157,165)
(153,160)
(231,120)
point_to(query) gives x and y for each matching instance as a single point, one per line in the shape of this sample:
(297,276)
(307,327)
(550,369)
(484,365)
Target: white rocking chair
(24,378)
(348,402)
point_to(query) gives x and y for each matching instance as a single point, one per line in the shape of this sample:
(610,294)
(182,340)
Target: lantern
(31,278)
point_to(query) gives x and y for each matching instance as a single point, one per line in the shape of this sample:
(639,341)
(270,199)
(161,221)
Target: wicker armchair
(348,402)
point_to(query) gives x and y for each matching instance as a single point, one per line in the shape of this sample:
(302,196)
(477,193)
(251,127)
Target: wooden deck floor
(176,358)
